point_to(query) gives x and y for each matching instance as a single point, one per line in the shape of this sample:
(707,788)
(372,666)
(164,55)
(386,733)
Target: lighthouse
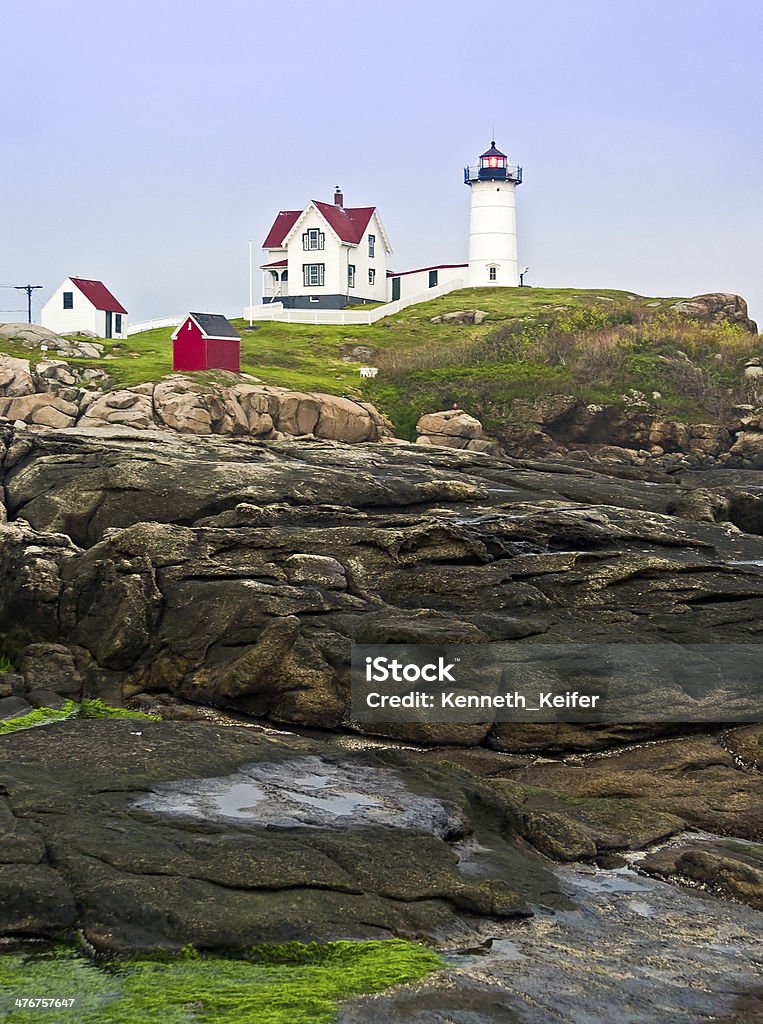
(493,220)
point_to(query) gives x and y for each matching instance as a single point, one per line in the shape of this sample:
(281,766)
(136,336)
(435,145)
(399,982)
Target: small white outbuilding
(80,304)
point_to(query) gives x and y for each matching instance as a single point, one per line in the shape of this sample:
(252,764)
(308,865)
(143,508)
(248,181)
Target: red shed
(206,341)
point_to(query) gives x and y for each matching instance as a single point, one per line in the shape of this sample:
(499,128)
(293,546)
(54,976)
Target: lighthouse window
(313,274)
(313,239)
(492,273)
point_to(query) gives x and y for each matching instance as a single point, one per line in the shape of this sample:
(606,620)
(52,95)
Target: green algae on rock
(288,984)
(95,708)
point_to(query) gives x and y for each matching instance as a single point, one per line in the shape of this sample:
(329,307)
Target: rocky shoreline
(219,582)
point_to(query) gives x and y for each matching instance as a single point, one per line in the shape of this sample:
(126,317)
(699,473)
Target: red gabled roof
(282,225)
(348,223)
(97,293)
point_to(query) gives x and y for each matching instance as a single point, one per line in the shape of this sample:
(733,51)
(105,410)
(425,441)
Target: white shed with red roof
(81,304)
(326,256)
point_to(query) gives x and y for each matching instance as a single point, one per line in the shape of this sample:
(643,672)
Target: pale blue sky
(144,142)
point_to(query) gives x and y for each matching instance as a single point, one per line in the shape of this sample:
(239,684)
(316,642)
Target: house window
(492,273)
(372,277)
(432,278)
(313,274)
(350,276)
(68,300)
(313,239)
(371,245)
(117,323)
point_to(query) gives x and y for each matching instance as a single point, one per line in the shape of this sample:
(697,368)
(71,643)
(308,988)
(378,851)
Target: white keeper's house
(80,304)
(329,256)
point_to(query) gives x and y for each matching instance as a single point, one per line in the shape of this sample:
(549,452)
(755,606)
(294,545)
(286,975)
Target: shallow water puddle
(305,791)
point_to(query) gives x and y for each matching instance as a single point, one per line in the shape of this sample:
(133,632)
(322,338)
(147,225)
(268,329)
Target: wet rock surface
(633,949)
(193,573)
(237,572)
(132,824)
(727,867)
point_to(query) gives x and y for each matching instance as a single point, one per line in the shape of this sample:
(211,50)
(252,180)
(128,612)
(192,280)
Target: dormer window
(313,239)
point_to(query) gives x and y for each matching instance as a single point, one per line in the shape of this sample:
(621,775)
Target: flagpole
(250,282)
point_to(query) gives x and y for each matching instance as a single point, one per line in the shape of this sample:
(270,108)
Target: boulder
(454,428)
(359,354)
(717,307)
(258,406)
(728,868)
(30,335)
(13,707)
(450,422)
(341,419)
(296,413)
(44,409)
(460,316)
(709,438)
(46,699)
(127,408)
(182,407)
(748,447)
(11,685)
(51,374)
(51,667)
(15,377)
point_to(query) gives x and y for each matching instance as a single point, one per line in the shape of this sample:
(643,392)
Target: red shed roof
(348,222)
(97,293)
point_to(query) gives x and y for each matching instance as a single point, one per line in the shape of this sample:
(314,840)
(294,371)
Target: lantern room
(493,166)
(493,163)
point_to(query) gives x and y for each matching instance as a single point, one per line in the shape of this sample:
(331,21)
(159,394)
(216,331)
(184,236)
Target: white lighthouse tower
(493,220)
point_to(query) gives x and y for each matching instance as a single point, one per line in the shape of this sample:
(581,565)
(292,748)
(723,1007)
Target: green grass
(94,708)
(6,665)
(597,344)
(290,984)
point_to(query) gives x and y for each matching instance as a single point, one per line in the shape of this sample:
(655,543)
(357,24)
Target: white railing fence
(358,317)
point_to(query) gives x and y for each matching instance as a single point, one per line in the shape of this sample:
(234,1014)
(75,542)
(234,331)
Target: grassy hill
(597,344)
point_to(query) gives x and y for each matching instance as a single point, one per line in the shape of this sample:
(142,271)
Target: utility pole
(28,288)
